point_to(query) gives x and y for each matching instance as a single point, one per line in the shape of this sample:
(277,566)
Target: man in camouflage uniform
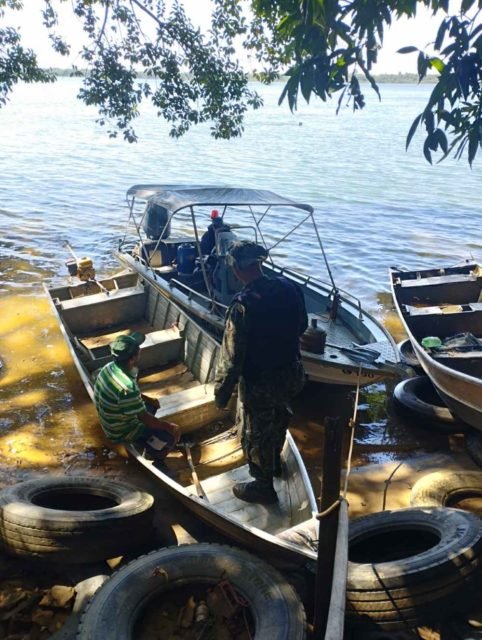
(260,350)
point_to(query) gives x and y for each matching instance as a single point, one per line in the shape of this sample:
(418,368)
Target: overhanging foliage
(323,46)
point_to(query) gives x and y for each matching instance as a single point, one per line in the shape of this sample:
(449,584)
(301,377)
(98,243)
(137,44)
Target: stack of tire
(410,567)
(74,520)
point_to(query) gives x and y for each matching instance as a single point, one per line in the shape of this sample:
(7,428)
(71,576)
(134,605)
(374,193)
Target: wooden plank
(336,613)
(191,408)
(272,518)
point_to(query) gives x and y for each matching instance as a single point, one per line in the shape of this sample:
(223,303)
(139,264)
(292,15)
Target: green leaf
(466,5)
(422,65)
(437,64)
(413,128)
(407,50)
(306,81)
(440,35)
(474,142)
(426,151)
(441,139)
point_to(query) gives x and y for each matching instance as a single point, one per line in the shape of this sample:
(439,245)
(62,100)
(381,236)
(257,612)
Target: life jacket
(275,314)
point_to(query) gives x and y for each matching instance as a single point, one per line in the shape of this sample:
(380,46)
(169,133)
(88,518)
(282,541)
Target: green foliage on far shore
(384,78)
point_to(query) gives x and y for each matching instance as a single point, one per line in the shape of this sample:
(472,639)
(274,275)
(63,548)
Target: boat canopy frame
(176,198)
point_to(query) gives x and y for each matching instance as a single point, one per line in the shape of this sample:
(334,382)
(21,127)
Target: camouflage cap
(124,347)
(244,253)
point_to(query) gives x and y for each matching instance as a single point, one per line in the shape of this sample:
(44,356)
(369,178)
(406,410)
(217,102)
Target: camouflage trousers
(263,417)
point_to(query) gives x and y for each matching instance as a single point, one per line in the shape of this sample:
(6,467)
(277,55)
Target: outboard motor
(155,221)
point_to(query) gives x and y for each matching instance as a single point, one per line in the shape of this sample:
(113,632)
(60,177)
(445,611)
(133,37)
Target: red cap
(214,214)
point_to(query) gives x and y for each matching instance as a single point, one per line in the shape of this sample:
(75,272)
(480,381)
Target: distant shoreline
(383,78)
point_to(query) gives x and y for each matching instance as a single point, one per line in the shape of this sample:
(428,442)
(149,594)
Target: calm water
(64,179)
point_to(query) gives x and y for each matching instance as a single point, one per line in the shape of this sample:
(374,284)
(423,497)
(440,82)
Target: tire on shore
(406,566)
(417,398)
(274,605)
(78,519)
(444,488)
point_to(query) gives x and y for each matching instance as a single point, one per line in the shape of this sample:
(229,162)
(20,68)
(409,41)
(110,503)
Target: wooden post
(330,492)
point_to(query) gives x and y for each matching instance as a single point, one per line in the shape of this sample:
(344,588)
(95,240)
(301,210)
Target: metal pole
(330,493)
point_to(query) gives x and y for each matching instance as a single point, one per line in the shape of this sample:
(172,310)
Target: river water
(64,179)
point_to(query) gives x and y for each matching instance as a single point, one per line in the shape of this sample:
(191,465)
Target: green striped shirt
(119,403)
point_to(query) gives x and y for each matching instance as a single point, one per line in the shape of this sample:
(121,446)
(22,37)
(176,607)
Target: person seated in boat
(208,239)
(260,350)
(125,414)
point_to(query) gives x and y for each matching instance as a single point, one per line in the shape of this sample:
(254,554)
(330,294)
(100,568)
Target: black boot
(260,491)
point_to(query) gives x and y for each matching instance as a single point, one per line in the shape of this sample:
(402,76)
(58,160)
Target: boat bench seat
(159,348)
(191,408)
(457,288)
(458,278)
(446,310)
(445,320)
(101,310)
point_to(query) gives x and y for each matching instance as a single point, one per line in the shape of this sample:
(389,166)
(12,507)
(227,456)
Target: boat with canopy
(165,241)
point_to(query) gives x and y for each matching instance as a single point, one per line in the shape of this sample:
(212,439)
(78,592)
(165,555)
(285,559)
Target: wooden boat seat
(445,320)
(191,408)
(437,289)
(458,278)
(159,348)
(101,310)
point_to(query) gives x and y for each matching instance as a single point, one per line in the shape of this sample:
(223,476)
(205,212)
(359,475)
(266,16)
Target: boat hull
(445,306)
(176,362)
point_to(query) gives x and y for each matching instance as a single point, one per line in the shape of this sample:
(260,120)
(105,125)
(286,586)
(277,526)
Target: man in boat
(125,414)
(260,350)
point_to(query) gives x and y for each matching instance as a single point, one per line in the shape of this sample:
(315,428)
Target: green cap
(244,253)
(124,347)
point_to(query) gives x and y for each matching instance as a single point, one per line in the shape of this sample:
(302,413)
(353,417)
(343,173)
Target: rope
(332,507)
(351,424)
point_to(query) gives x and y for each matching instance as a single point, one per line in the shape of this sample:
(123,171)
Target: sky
(418,32)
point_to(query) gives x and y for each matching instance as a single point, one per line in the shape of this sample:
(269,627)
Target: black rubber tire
(421,593)
(417,398)
(439,488)
(408,591)
(459,543)
(408,355)
(473,445)
(35,519)
(276,608)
